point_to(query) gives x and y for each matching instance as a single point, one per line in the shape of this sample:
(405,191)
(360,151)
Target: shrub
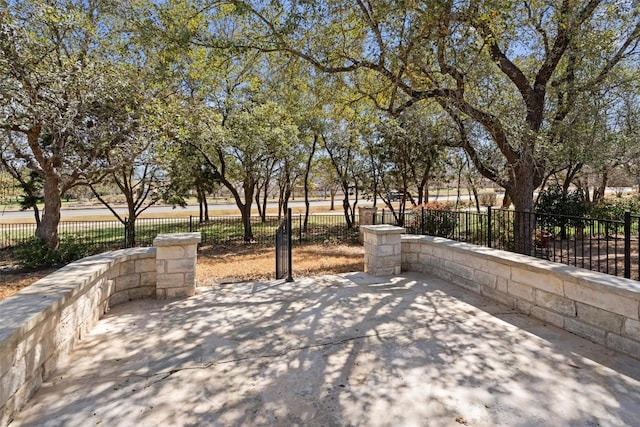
(564,208)
(611,212)
(439,219)
(614,209)
(555,201)
(36,254)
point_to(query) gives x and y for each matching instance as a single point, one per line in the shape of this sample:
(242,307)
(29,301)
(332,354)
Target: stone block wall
(382,249)
(41,323)
(367,216)
(602,308)
(176,264)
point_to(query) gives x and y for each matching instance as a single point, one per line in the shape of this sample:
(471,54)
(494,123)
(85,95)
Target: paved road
(346,350)
(189,210)
(74,213)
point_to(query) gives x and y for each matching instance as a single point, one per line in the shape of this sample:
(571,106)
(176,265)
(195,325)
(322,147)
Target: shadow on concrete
(335,350)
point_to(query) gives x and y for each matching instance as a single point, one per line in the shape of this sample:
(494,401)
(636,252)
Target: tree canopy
(531,91)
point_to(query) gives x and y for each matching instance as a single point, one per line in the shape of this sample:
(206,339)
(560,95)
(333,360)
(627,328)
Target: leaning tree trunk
(36,215)
(306,182)
(259,206)
(47,230)
(346,207)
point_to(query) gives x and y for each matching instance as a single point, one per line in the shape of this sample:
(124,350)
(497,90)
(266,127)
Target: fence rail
(604,245)
(112,234)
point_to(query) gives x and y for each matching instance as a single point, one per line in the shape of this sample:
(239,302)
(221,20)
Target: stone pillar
(366,216)
(382,254)
(176,256)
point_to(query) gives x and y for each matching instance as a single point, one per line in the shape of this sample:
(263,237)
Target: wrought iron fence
(112,234)
(284,268)
(604,245)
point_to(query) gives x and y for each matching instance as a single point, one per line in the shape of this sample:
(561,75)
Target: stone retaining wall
(381,249)
(40,324)
(596,306)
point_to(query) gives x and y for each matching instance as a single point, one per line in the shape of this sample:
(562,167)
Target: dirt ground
(240,262)
(229,263)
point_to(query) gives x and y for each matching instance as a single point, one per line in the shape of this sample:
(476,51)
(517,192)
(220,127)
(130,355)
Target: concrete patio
(411,350)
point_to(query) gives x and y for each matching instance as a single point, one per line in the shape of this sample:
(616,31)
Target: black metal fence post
(489,227)
(126,232)
(300,228)
(382,216)
(627,244)
(190,224)
(289,253)
(422,221)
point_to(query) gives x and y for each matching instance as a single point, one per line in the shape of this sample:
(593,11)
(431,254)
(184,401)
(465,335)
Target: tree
(238,147)
(187,171)
(143,182)
(326,177)
(341,141)
(405,155)
(512,69)
(62,101)
(29,182)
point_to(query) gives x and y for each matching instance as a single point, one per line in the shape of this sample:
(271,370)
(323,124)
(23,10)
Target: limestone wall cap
(177,239)
(382,229)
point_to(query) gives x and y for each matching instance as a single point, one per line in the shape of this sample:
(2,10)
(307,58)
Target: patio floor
(340,350)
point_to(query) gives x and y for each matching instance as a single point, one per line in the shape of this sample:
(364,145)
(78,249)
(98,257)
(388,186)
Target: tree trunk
(458,199)
(600,192)
(200,203)
(206,206)
(346,206)
(355,204)
(473,190)
(420,191)
(47,230)
(523,221)
(245,210)
(265,193)
(36,215)
(333,192)
(288,193)
(262,191)
(506,200)
(306,182)
(131,231)
(259,205)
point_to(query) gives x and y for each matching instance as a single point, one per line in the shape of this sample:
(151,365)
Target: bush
(36,254)
(614,209)
(611,212)
(564,209)
(439,219)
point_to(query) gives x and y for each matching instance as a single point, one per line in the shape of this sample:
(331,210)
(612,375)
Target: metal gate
(283,249)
